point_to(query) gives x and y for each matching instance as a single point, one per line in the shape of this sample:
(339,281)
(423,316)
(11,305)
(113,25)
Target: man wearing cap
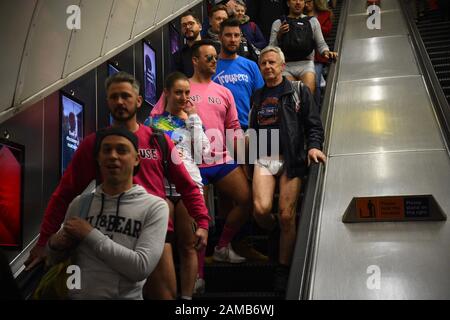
(123,100)
(121,239)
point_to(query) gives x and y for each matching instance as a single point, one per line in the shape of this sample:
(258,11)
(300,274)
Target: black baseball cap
(116,131)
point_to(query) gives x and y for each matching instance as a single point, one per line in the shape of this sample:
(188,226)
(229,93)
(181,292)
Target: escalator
(387,135)
(434,29)
(433,38)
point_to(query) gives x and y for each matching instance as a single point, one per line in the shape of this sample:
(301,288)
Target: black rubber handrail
(434,87)
(300,273)
(27,281)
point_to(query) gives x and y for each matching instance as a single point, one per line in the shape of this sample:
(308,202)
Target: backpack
(298,43)
(158,138)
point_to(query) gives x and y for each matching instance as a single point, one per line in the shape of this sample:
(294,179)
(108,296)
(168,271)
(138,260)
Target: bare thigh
(263,190)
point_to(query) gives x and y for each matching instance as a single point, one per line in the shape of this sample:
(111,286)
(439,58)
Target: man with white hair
(284,109)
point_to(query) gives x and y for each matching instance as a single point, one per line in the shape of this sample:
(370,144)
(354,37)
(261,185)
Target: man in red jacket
(123,101)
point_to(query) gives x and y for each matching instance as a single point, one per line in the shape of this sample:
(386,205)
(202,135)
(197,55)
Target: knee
(187,249)
(261,209)
(287,218)
(159,290)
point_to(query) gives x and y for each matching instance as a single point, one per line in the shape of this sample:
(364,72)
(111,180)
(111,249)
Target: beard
(230,52)
(192,38)
(124,118)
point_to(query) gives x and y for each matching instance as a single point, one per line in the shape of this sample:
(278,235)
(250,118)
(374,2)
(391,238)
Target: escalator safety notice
(417,207)
(393,208)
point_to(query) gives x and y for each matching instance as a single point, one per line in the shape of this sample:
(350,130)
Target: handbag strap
(297,86)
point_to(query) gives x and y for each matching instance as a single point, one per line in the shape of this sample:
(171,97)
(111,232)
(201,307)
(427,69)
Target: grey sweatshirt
(124,247)
(321,45)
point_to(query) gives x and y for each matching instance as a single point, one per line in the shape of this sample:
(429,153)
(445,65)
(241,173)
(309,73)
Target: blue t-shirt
(243,78)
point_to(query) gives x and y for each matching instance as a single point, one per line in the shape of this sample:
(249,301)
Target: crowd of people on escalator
(240,112)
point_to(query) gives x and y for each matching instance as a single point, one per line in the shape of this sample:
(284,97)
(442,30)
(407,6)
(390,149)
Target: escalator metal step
(429,42)
(446,89)
(444,81)
(431,27)
(225,277)
(443,47)
(424,25)
(432,20)
(442,67)
(444,74)
(441,31)
(438,53)
(241,296)
(438,37)
(439,60)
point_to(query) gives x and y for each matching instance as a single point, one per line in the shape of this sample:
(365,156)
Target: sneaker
(226,254)
(245,249)
(199,287)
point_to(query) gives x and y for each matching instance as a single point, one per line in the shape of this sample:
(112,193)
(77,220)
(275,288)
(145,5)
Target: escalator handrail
(301,267)
(27,281)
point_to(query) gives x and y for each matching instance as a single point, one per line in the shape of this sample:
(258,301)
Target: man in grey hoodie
(122,238)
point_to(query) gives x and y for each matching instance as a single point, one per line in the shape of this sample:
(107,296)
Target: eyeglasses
(209,57)
(188,24)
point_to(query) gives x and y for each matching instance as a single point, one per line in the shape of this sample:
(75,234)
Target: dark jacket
(215,38)
(183,61)
(296,124)
(265,12)
(253,34)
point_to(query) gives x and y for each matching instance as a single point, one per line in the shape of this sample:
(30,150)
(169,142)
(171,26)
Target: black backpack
(298,43)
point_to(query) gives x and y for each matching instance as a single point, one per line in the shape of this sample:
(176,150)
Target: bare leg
(188,254)
(162,283)
(236,186)
(291,78)
(263,189)
(309,79)
(289,192)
